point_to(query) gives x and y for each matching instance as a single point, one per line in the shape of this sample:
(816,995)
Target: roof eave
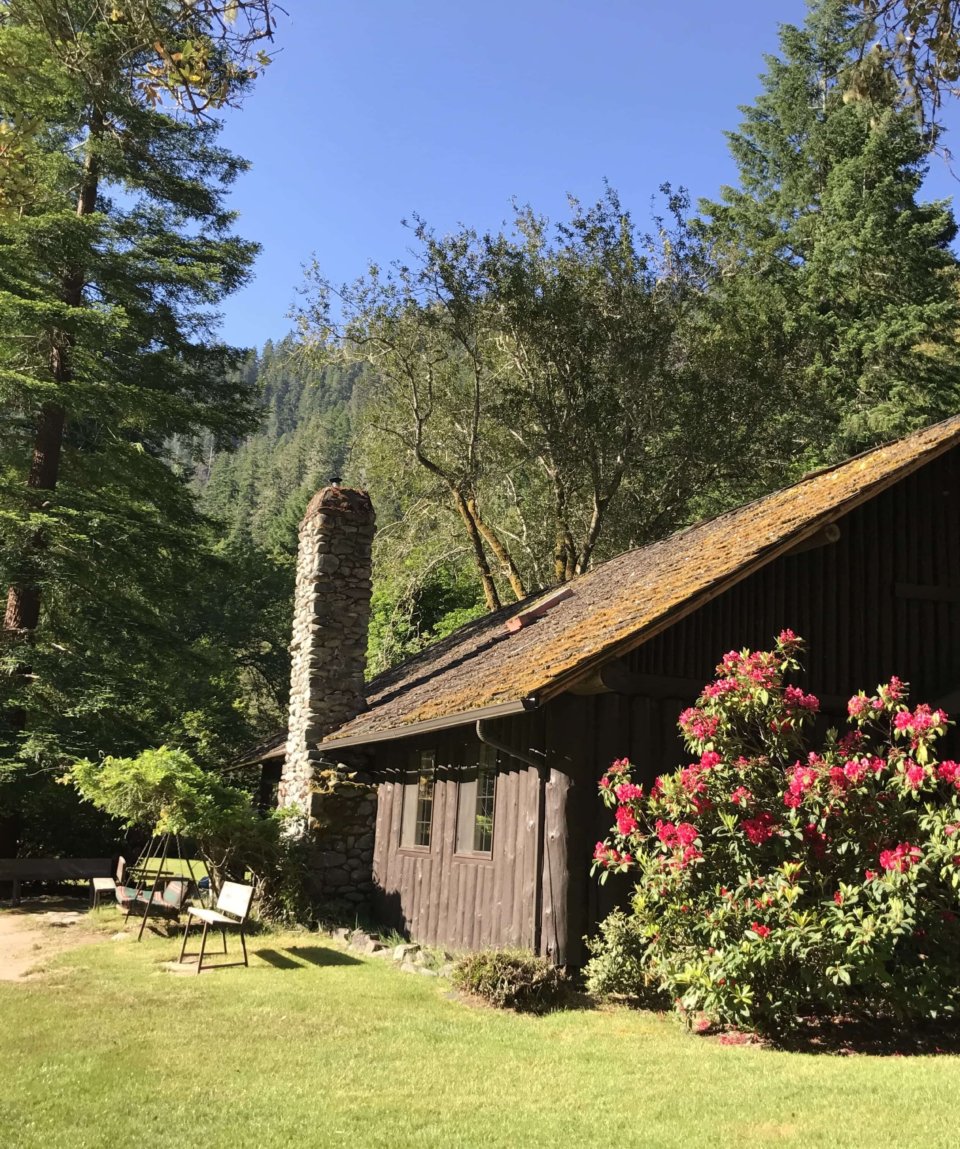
(430,725)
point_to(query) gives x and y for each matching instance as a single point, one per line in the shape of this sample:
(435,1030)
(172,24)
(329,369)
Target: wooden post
(554,937)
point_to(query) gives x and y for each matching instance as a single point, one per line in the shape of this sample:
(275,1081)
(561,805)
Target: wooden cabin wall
(884,599)
(456,900)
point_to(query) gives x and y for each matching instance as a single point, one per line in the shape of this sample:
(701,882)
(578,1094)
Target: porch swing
(147,897)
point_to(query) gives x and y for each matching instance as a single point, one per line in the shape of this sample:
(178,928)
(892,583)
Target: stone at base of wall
(408,957)
(342,815)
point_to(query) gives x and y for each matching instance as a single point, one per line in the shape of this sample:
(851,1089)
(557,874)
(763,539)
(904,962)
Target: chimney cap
(347,501)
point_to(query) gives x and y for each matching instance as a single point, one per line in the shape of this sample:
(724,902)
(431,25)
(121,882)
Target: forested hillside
(256,492)
(259,490)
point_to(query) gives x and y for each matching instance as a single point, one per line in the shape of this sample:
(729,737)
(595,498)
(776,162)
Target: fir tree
(839,279)
(115,249)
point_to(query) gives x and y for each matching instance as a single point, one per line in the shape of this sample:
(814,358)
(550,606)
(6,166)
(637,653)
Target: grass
(313,1046)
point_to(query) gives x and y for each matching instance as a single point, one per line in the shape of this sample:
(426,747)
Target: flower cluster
(901,858)
(774,877)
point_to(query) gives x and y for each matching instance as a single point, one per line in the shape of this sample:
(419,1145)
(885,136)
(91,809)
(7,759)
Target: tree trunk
(479,554)
(504,558)
(23,598)
(22,615)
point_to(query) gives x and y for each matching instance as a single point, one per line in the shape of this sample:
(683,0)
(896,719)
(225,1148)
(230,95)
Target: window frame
(473,761)
(413,774)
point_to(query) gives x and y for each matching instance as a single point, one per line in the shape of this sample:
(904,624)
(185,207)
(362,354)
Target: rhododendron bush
(774,880)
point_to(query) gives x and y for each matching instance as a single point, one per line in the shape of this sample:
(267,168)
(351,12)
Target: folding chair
(100,886)
(232,908)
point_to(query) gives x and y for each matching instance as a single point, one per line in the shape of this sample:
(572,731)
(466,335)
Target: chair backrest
(121,869)
(175,892)
(235,900)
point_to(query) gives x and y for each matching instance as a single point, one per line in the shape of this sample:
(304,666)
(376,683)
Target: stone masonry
(328,655)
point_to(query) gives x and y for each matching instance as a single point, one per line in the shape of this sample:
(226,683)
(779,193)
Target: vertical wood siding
(441,897)
(868,608)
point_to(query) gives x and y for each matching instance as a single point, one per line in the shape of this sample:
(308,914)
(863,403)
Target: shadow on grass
(876,1037)
(47,904)
(295,957)
(276,958)
(320,955)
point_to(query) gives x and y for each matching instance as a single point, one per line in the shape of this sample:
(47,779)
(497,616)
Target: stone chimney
(330,621)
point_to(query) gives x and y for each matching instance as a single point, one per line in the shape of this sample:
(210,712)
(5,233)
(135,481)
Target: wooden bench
(17,870)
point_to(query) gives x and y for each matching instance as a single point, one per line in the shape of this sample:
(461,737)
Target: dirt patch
(31,935)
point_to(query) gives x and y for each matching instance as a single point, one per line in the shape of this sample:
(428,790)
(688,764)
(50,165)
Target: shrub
(773,880)
(164,791)
(618,965)
(512,979)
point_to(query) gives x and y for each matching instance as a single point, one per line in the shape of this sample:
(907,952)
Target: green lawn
(315,1047)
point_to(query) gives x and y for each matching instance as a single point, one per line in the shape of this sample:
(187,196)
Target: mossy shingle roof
(621,603)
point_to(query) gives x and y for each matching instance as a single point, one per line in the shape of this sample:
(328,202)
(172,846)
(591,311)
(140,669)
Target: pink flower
(914,774)
(697,725)
(759,930)
(721,687)
(893,691)
(627,792)
(709,759)
(838,898)
(759,829)
(786,637)
(690,779)
(949,771)
(838,778)
(794,696)
(858,705)
(901,858)
(667,833)
(604,783)
(850,744)
(657,788)
(950,829)
(869,875)
(741,794)
(626,822)
(855,770)
(690,854)
(802,778)
(816,838)
(921,720)
(686,833)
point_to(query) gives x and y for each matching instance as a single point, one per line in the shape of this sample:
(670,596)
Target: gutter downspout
(543,773)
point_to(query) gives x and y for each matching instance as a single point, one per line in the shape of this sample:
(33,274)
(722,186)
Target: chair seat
(103,883)
(210,916)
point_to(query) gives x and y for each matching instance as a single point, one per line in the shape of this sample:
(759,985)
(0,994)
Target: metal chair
(100,886)
(232,908)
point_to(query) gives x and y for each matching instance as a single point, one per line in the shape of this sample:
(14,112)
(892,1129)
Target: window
(478,783)
(416,817)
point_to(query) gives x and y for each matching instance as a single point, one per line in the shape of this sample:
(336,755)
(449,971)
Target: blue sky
(374,110)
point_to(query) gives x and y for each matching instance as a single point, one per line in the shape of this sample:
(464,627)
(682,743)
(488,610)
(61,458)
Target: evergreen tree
(116,249)
(838,278)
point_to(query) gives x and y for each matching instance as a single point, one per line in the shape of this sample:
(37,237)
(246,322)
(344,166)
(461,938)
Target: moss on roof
(623,602)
